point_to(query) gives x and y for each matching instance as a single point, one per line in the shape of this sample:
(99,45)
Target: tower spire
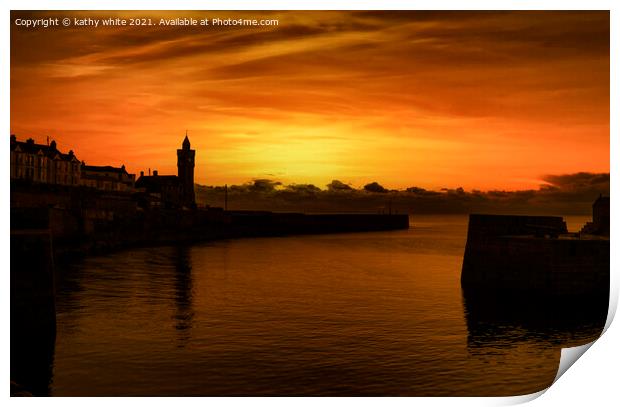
(185,166)
(186,144)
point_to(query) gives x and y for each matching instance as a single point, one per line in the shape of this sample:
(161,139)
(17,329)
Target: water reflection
(183,295)
(494,321)
(359,314)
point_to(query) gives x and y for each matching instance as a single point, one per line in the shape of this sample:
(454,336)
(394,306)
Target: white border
(593,379)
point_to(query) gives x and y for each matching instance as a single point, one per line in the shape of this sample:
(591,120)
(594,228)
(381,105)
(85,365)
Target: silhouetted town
(91,208)
(45,164)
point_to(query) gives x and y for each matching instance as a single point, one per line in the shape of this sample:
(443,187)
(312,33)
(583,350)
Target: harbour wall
(90,230)
(533,256)
(84,220)
(33,316)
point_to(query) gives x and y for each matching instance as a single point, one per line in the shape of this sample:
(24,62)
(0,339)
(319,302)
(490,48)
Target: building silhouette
(107,178)
(600,218)
(172,191)
(185,167)
(43,163)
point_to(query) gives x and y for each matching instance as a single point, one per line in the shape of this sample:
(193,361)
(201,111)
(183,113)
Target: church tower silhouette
(185,164)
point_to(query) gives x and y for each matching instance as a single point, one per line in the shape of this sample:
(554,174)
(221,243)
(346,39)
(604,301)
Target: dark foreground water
(353,314)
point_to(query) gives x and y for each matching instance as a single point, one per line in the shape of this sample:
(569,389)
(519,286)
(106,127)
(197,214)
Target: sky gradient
(479,100)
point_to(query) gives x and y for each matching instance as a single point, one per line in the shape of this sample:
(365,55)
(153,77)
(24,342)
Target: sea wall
(172,226)
(33,317)
(527,255)
(26,195)
(92,230)
(487,226)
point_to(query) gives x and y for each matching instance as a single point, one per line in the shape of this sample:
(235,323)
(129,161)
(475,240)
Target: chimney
(53,145)
(30,141)
(141,173)
(154,173)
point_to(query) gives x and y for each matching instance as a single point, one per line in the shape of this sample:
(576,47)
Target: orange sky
(432,99)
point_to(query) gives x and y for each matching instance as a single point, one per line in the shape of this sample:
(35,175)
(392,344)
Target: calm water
(353,314)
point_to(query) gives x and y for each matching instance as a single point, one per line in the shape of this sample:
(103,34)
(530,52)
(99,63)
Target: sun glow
(426,99)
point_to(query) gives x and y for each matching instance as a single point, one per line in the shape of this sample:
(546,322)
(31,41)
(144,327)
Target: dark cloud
(257,186)
(581,181)
(375,187)
(567,194)
(338,186)
(303,189)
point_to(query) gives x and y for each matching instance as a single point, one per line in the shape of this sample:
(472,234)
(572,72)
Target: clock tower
(185,164)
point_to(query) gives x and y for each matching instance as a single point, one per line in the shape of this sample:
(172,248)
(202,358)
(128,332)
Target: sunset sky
(433,99)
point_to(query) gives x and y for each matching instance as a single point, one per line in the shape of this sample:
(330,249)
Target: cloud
(566,194)
(408,97)
(302,189)
(338,186)
(582,181)
(375,187)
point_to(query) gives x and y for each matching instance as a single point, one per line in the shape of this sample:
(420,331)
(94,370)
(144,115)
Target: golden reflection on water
(378,313)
